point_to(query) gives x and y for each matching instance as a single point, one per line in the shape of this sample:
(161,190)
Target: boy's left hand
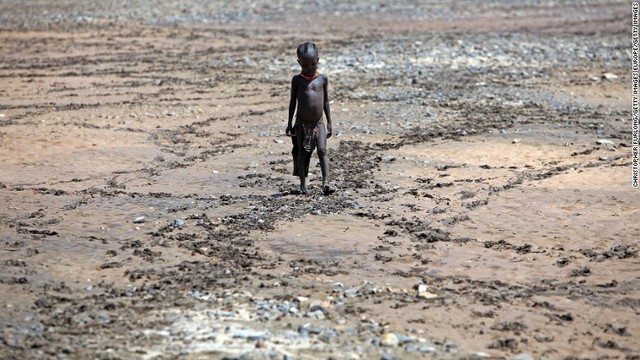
(329,131)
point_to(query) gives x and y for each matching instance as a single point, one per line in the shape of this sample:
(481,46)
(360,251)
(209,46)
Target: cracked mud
(481,160)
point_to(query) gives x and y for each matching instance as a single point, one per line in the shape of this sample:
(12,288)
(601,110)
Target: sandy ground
(481,157)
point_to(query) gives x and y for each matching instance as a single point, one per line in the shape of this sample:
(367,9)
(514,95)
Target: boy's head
(307,50)
(308,58)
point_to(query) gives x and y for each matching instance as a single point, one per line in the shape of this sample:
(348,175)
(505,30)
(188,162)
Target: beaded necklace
(310,78)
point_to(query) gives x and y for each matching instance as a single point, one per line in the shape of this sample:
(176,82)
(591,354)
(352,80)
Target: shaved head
(307,50)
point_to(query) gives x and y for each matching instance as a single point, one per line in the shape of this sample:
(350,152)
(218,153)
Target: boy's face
(309,64)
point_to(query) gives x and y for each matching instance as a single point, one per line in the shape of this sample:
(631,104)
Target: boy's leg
(321,146)
(321,143)
(301,161)
(294,155)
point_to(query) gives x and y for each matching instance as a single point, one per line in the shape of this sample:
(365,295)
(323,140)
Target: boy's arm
(292,107)
(327,111)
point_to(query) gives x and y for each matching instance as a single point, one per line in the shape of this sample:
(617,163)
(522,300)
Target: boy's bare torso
(310,97)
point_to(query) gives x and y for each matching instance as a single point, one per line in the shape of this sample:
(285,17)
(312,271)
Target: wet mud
(481,161)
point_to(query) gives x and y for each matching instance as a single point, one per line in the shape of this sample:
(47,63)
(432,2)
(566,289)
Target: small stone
(603,158)
(13,339)
(609,76)
(411,348)
(38,328)
(305,330)
(424,293)
(250,335)
(427,349)
(449,346)
(318,314)
(523,356)
(139,220)
(278,141)
(390,340)
(352,292)
(402,339)
(515,141)
(479,355)
(604,142)
(179,223)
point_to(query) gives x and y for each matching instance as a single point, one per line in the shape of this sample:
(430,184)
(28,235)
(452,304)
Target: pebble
(318,314)
(424,293)
(139,220)
(604,142)
(250,335)
(352,292)
(403,339)
(389,340)
(523,356)
(427,349)
(449,346)
(179,223)
(479,355)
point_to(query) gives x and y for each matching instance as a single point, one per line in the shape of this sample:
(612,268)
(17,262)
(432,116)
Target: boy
(309,93)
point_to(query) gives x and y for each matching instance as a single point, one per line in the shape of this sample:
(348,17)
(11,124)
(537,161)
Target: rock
(402,339)
(427,349)
(515,141)
(389,340)
(278,141)
(139,220)
(352,292)
(424,293)
(179,223)
(609,76)
(13,338)
(317,314)
(306,329)
(250,335)
(449,346)
(479,355)
(323,307)
(605,142)
(38,328)
(523,356)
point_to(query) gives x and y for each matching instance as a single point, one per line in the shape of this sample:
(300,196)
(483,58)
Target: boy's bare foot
(303,191)
(328,190)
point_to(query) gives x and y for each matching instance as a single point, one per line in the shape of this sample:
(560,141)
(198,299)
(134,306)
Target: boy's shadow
(320,192)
